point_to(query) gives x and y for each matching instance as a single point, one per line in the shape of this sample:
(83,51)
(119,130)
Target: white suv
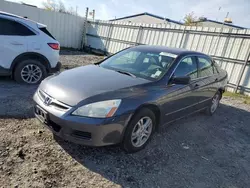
(28,52)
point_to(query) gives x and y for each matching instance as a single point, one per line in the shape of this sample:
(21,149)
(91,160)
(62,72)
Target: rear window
(43,29)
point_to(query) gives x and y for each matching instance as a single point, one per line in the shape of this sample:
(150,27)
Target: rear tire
(30,71)
(139,131)
(214,104)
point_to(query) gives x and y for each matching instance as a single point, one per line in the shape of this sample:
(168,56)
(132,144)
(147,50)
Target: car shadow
(198,151)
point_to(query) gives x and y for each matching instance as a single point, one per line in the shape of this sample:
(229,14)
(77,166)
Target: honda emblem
(47,101)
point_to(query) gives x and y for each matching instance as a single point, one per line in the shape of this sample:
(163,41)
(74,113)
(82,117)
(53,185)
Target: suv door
(13,37)
(182,99)
(207,80)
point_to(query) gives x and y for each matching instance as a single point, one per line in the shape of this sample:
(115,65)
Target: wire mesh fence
(229,47)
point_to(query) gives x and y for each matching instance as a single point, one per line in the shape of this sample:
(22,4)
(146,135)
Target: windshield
(151,65)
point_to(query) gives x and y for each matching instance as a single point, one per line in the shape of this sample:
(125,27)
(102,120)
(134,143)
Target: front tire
(30,71)
(139,131)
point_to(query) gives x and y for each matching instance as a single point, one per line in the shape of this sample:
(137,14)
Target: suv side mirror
(183,80)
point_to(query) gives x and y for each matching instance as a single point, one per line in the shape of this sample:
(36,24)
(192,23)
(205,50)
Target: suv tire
(30,71)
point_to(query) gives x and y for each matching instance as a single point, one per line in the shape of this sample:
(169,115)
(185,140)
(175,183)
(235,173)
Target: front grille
(41,94)
(59,106)
(82,135)
(55,103)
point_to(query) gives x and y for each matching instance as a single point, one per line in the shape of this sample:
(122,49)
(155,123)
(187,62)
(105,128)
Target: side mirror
(183,80)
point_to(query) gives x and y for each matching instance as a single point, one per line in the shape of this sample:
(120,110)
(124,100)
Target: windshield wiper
(127,73)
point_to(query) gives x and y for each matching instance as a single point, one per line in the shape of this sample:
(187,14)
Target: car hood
(73,86)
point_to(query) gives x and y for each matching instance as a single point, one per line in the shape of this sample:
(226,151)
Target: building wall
(67,29)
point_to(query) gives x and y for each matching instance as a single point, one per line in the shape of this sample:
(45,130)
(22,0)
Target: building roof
(149,14)
(227,24)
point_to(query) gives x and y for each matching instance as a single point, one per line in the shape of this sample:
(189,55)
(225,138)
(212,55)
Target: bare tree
(58,6)
(72,11)
(61,7)
(50,5)
(190,19)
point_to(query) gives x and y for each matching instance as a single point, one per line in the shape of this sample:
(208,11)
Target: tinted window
(43,29)
(187,67)
(8,27)
(127,58)
(205,66)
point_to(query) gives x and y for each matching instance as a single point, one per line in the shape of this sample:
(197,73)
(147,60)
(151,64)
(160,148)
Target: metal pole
(242,70)
(109,37)
(183,33)
(217,42)
(84,35)
(94,15)
(223,53)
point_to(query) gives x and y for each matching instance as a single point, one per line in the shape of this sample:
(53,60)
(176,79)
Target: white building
(147,18)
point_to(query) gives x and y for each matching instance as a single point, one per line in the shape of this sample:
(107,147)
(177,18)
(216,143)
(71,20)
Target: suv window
(205,66)
(9,27)
(187,67)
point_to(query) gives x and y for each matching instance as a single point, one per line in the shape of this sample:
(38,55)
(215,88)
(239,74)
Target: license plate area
(41,114)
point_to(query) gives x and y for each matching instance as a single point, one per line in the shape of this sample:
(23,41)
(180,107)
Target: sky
(173,9)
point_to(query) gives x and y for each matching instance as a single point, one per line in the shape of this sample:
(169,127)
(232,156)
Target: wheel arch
(30,55)
(221,90)
(155,109)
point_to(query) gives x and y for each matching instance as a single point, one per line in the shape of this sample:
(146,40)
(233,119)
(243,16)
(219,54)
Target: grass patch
(246,99)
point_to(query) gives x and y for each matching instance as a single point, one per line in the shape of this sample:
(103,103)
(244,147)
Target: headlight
(98,109)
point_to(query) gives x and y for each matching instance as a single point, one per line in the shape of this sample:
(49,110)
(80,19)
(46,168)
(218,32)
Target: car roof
(11,15)
(22,19)
(177,51)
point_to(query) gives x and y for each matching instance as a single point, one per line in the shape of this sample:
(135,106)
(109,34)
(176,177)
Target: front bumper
(56,68)
(83,130)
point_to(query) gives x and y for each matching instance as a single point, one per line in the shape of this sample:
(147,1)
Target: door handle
(196,85)
(16,43)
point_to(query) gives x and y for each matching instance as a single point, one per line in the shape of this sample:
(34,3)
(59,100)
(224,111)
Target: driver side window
(187,67)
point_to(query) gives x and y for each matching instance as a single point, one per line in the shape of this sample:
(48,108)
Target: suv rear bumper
(56,68)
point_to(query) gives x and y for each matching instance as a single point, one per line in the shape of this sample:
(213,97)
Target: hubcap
(215,103)
(31,73)
(141,131)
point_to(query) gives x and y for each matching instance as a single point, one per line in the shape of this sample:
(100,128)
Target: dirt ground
(197,152)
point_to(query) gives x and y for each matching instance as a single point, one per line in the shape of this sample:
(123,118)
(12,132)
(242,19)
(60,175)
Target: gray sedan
(125,98)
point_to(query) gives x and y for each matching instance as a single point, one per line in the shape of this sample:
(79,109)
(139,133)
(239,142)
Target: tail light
(54,46)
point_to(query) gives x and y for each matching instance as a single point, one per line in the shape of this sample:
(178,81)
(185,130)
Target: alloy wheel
(141,131)
(31,73)
(215,103)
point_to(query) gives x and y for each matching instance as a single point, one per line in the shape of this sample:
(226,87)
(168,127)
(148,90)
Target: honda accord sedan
(126,97)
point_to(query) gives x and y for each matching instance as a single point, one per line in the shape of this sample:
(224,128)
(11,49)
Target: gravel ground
(198,151)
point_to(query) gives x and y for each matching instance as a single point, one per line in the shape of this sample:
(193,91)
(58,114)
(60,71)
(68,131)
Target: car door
(13,40)
(207,80)
(181,100)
